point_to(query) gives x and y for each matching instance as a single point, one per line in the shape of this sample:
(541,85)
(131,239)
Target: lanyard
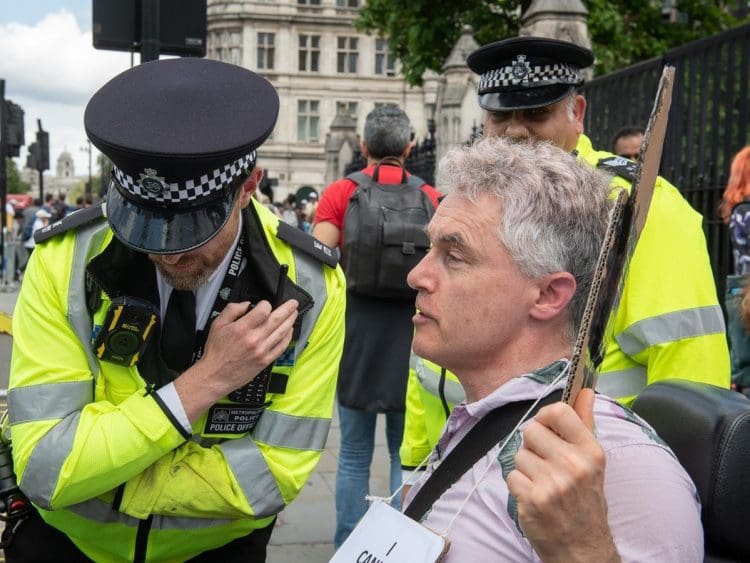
(253,393)
(228,285)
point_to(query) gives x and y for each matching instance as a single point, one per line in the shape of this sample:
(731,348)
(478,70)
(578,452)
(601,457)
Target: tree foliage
(421,33)
(15,184)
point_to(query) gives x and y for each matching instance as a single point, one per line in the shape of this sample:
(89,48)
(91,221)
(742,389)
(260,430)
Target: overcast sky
(51,70)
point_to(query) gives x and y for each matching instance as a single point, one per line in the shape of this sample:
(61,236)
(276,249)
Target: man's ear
(363,149)
(555,293)
(407,150)
(579,112)
(250,186)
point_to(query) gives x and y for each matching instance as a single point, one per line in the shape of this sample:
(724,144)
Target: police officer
(668,323)
(191,340)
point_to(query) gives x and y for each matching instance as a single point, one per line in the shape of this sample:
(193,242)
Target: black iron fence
(708,121)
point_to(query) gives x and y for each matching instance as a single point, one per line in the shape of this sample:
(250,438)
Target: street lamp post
(89,184)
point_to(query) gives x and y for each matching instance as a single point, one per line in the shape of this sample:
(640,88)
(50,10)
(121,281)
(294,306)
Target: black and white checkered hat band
(528,75)
(151,187)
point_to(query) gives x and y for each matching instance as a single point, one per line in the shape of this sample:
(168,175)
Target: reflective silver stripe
(671,327)
(45,462)
(103,513)
(413,359)
(296,432)
(311,278)
(254,476)
(622,383)
(430,380)
(88,239)
(49,400)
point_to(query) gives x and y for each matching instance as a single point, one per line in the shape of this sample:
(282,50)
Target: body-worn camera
(127,329)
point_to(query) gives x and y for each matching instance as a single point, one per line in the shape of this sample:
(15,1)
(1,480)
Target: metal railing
(708,121)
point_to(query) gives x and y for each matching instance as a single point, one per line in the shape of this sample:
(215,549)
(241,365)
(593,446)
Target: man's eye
(452,258)
(536,113)
(500,116)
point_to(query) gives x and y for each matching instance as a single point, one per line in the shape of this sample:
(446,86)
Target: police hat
(181,134)
(527,72)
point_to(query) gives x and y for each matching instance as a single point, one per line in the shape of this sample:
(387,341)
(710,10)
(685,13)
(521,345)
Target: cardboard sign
(626,223)
(384,535)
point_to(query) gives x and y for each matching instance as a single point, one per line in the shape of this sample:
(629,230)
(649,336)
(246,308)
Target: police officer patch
(520,67)
(151,182)
(226,418)
(619,165)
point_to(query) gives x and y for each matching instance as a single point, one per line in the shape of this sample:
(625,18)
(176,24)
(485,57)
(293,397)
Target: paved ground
(304,531)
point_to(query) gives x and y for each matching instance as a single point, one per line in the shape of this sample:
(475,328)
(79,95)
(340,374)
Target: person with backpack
(376,217)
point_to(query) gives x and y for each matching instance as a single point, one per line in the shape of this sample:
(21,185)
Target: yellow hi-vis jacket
(103,461)
(668,322)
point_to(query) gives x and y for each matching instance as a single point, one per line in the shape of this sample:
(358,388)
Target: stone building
(61,182)
(328,75)
(457,113)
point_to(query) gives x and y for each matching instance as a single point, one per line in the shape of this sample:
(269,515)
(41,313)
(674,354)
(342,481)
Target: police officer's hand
(240,345)
(559,485)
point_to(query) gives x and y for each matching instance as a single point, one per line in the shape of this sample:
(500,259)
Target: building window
(346,108)
(226,46)
(347,3)
(309,52)
(309,2)
(266,50)
(307,120)
(347,54)
(385,62)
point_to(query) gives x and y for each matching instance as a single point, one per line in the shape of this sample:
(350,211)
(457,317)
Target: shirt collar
(526,386)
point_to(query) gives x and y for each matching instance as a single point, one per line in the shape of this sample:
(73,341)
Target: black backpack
(384,235)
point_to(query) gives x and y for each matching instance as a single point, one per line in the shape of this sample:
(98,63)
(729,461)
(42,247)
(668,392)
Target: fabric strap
(178,332)
(495,425)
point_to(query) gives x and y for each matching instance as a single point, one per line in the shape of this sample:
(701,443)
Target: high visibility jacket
(99,456)
(668,322)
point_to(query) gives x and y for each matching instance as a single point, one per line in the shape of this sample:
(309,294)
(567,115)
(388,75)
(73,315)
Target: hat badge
(151,182)
(520,68)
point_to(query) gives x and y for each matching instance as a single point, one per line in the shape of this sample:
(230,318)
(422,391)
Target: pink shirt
(653,507)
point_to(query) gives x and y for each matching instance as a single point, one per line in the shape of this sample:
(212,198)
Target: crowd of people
(199,334)
(23,221)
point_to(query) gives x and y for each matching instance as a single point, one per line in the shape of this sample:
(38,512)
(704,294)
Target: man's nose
(416,277)
(516,128)
(172,258)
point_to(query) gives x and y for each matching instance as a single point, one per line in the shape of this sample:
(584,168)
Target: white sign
(384,535)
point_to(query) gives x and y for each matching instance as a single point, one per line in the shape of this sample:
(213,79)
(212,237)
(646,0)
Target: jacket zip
(141,540)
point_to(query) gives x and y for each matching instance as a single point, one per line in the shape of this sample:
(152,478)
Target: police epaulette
(72,221)
(619,165)
(307,244)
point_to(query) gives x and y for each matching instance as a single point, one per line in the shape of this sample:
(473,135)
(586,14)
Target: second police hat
(181,134)
(527,72)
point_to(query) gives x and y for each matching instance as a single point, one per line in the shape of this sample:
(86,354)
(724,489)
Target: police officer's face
(190,270)
(560,123)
